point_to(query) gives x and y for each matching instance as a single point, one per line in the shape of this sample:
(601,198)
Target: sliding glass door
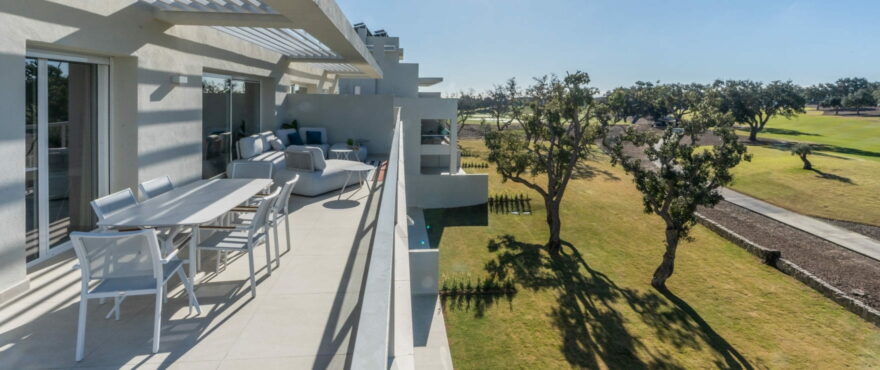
(62,113)
(230,111)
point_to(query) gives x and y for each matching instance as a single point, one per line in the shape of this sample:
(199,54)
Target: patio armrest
(244,209)
(170,256)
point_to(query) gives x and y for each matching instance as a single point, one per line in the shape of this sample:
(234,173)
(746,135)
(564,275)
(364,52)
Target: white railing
(384,330)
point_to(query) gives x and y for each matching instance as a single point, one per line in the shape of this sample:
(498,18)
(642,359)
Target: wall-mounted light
(179,79)
(357,90)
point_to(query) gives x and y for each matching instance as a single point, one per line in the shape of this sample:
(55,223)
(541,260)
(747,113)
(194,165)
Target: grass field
(843,187)
(858,136)
(846,182)
(594,307)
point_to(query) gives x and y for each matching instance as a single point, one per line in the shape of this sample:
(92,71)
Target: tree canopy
(558,131)
(754,103)
(686,176)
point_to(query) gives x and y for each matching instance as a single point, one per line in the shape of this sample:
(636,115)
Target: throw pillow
(313,138)
(294,139)
(276,144)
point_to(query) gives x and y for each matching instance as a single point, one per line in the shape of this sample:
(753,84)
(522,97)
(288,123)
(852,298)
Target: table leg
(347,179)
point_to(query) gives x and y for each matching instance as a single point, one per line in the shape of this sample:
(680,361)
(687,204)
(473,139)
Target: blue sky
(478,43)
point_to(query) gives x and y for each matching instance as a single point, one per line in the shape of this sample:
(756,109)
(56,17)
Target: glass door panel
(61,118)
(32,221)
(72,148)
(230,111)
(217,146)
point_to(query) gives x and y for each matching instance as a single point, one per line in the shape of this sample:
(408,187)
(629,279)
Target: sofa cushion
(294,139)
(299,160)
(283,135)
(251,146)
(317,155)
(276,143)
(332,178)
(266,136)
(313,138)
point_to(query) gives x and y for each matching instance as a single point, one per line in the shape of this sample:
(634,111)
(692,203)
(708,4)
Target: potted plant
(351,144)
(293,124)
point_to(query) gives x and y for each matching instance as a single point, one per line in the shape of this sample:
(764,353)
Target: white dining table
(197,203)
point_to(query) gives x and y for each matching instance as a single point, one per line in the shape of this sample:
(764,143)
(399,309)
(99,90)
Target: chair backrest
(318,161)
(299,160)
(250,170)
(261,216)
(155,187)
(108,205)
(118,254)
(284,197)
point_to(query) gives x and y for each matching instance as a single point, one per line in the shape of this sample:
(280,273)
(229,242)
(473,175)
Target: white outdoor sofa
(318,175)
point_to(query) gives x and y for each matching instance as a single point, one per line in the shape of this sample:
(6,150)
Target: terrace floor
(304,314)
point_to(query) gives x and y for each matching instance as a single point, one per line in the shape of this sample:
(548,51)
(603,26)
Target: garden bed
(856,275)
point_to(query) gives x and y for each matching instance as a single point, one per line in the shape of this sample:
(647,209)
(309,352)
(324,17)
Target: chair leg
(157,318)
(250,253)
(193,300)
(287,225)
(268,243)
(277,244)
(81,327)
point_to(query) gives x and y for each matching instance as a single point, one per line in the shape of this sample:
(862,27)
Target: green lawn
(843,187)
(594,307)
(845,135)
(846,183)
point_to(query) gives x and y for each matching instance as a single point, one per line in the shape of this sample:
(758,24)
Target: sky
(479,43)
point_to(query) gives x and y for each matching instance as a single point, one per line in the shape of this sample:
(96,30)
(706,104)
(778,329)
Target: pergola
(306,31)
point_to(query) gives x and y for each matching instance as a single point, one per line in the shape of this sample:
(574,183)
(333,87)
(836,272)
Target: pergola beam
(222,19)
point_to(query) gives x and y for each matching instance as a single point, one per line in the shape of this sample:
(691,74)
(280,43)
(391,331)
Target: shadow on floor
(587,316)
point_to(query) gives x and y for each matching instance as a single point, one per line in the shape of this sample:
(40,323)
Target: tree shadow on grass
(782,131)
(831,176)
(587,314)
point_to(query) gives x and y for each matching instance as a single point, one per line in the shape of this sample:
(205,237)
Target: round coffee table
(361,169)
(341,153)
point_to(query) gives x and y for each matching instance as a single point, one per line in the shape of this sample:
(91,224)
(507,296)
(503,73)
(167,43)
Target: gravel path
(853,273)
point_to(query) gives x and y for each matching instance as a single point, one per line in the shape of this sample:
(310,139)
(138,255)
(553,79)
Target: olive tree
(860,99)
(686,176)
(754,104)
(504,104)
(802,150)
(558,131)
(469,102)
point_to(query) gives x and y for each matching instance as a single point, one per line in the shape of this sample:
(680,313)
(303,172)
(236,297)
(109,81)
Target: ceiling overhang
(306,31)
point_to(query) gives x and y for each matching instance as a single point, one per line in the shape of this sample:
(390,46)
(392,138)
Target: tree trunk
(836,111)
(664,271)
(807,164)
(554,244)
(753,133)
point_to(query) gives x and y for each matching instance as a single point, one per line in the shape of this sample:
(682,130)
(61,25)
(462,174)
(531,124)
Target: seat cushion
(266,137)
(310,184)
(294,139)
(283,135)
(276,144)
(313,138)
(127,284)
(250,146)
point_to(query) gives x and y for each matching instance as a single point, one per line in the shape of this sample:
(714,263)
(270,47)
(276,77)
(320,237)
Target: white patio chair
(112,204)
(243,238)
(122,264)
(279,213)
(155,187)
